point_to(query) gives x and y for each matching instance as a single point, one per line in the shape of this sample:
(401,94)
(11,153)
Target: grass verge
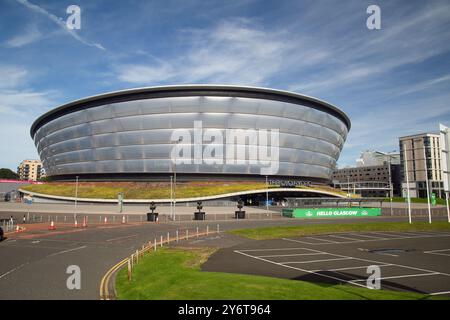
(175,274)
(311,229)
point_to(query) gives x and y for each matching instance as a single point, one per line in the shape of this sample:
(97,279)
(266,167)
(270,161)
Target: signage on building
(289,183)
(331,212)
(445,156)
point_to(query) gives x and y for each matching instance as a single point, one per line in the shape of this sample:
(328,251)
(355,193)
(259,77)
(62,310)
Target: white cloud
(60,22)
(12,76)
(31,35)
(233,51)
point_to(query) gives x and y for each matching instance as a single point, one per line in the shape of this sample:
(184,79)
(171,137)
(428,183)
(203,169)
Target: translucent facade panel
(135,136)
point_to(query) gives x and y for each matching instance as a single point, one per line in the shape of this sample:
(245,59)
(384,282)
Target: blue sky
(391,82)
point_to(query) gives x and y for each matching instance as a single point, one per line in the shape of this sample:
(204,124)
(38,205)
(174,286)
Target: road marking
(365,236)
(351,268)
(345,238)
(65,251)
(273,249)
(36,241)
(290,255)
(313,261)
(12,270)
(438,293)
(438,252)
(404,276)
(299,269)
(320,239)
(124,237)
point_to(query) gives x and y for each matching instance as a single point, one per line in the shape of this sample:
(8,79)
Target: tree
(6,173)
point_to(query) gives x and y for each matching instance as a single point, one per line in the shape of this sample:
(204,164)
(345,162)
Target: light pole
(391,191)
(76,198)
(267,195)
(174,199)
(407,182)
(426,183)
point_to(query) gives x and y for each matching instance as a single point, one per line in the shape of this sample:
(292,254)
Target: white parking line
(320,239)
(351,268)
(275,249)
(404,276)
(345,238)
(299,269)
(439,293)
(365,236)
(289,255)
(313,261)
(439,252)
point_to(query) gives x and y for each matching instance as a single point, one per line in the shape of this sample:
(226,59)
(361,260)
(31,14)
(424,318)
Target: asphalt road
(408,261)
(34,263)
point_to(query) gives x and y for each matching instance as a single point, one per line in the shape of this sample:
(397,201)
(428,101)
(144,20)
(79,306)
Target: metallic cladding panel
(134,136)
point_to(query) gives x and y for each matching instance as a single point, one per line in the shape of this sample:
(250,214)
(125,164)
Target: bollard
(197,232)
(137,256)
(177,235)
(187,234)
(168,238)
(65,219)
(218,229)
(154,244)
(99,219)
(129,270)
(207,230)
(161,241)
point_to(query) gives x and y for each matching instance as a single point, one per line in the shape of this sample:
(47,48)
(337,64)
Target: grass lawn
(415,200)
(141,190)
(151,190)
(310,229)
(173,273)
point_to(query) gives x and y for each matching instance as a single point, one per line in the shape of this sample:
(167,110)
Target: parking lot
(409,261)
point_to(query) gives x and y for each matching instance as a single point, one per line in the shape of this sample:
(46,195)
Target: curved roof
(184,90)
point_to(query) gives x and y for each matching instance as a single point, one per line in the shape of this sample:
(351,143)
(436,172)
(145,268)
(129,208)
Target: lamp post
(267,195)
(426,182)
(391,191)
(407,182)
(76,198)
(174,198)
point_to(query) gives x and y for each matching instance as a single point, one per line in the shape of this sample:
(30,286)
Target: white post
(168,238)
(267,195)
(207,230)
(171,197)
(197,232)
(448,210)
(428,188)
(407,182)
(76,198)
(218,229)
(129,270)
(154,244)
(161,241)
(177,235)
(187,234)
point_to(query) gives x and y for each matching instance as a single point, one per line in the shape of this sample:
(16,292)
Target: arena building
(129,135)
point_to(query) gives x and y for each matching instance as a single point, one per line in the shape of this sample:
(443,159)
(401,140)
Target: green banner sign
(331,212)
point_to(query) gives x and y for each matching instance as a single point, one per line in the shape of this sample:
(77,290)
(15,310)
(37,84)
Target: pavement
(34,262)
(408,261)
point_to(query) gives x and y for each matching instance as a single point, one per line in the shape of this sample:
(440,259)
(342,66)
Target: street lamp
(426,182)
(391,191)
(76,197)
(173,186)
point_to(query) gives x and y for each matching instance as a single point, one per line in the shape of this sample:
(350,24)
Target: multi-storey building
(421,155)
(30,170)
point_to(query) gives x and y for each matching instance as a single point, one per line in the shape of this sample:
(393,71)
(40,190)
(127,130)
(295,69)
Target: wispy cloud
(233,51)
(60,22)
(30,35)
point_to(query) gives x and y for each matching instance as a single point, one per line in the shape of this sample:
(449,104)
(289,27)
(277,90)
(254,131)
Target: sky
(391,82)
